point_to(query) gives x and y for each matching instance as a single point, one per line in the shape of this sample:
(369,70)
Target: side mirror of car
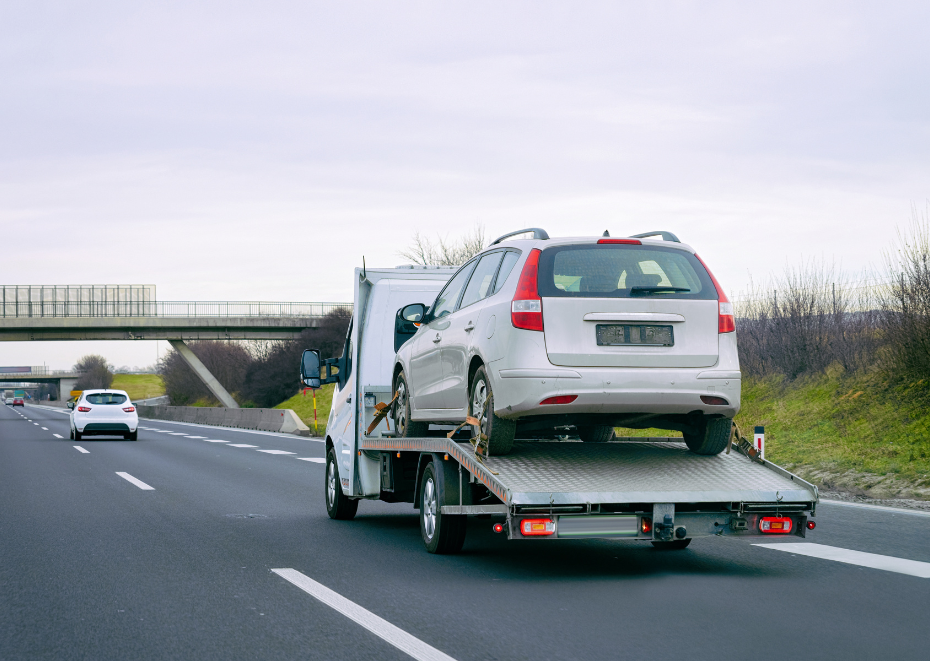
(310,368)
(70,405)
(408,319)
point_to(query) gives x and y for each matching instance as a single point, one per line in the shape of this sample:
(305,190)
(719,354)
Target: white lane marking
(177,433)
(378,626)
(45,428)
(872,560)
(35,423)
(214,440)
(81,450)
(316,460)
(163,431)
(276,452)
(57,436)
(139,483)
(241,445)
(195,437)
(881,508)
(246,431)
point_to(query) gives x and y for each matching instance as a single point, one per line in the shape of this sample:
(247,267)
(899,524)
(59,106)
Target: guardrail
(18,309)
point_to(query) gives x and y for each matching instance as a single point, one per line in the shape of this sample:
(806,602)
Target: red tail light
(645,525)
(535,527)
(84,409)
(526,308)
(775,525)
(129,409)
(726,322)
(629,242)
(811,525)
(559,399)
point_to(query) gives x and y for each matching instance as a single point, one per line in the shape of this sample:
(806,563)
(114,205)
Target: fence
(38,370)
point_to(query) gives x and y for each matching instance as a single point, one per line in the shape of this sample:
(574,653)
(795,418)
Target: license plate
(616,334)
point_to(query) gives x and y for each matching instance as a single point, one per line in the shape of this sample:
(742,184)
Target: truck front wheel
(712,439)
(442,533)
(338,505)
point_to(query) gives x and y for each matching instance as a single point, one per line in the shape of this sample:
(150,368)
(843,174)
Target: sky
(257,151)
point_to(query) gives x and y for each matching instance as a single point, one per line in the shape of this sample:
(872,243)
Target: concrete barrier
(279,420)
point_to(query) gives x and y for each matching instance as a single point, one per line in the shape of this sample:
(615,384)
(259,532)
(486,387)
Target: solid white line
(57,436)
(316,460)
(81,450)
(882,508)
(276,452)
(139,483)
(872,560)
(244,431)
(378,626)
(241,445)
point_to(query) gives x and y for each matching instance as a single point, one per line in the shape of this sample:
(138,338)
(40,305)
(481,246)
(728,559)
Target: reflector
(498,527)
(714,401)
(560,399)
(811,525)
(646,525)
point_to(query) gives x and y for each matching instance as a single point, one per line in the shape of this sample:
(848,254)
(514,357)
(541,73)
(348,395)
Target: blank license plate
(621,334)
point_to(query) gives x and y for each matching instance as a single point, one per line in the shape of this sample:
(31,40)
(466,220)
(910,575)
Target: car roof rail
(666,236)
(537,234)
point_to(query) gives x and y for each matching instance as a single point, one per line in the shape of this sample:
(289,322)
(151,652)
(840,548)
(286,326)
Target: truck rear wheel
(500,431)
(712,439)
(442,533)
(596,434)
(338,505)
(405,427)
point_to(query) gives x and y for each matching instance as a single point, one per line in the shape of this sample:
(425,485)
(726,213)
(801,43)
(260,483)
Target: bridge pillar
(65,386)
(201,370)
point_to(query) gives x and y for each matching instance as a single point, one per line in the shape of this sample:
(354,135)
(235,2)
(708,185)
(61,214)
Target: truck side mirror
(310,368)
(406,323)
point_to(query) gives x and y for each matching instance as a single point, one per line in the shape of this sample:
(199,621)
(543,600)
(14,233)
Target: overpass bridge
(13,377)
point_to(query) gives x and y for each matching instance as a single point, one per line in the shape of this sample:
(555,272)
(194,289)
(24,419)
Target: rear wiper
(636,289)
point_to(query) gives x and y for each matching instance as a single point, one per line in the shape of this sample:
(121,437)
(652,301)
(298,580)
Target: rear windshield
(622,271)
(106,398)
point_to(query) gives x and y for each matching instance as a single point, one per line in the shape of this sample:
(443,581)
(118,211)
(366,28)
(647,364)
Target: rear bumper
(107,426)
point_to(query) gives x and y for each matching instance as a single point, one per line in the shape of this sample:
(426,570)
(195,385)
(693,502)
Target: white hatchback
(538,337)
(104,413)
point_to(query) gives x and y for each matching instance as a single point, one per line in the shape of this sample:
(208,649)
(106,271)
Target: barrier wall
(280,420)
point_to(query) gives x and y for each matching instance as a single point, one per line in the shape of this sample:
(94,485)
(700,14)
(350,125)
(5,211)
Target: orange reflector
(446,457)
(531,527)
(775,524)
(645,525)
(398,455)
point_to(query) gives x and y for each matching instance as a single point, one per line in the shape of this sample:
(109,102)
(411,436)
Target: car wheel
(712,439)
(338,505)
(132,436)
(442,533)
(674,545)
(77,435)
(405,427)
(596,433)
(500,431)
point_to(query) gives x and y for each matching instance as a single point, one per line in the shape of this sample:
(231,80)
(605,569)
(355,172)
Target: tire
(500,431)
(405,427)
(596,434)
(442,533)
(338,505)
(132,436)
(71,436)
(713,438)
(674,545)
(77,435)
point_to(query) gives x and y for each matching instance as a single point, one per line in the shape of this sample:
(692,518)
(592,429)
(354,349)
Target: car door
(426,376)
(460,336)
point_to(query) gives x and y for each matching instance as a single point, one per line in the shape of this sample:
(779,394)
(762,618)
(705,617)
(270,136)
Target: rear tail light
(498,527)
(714,401)
(526,308)
(775,525)
(726,321)
(84,409)
(629,242)
(559,399)
(811,525)
(129,409)
(645,525)
(534,527)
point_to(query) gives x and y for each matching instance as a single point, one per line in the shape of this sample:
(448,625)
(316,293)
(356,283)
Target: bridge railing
(118,308)
(34,370)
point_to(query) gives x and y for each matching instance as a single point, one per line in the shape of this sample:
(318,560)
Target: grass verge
(139,386)
(303,407)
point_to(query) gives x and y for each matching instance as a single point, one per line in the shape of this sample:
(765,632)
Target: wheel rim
(478,397)
(429,508)
(331,483)
(400,409)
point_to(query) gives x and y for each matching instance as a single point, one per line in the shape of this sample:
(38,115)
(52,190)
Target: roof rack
(666,236)
(537,234)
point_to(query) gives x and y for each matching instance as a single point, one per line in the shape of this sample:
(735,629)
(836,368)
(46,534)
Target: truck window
(479,285)
(448,297)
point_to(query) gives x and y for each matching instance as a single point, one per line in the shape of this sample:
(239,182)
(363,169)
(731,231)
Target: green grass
(303,407)
(139,386)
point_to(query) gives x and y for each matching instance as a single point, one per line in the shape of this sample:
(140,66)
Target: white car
(536,336)
(9,401)
(104,413)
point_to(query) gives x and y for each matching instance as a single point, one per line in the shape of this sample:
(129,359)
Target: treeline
(261,374)
(814,316)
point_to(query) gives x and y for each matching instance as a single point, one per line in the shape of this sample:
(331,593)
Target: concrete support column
(200,370)
(65,386)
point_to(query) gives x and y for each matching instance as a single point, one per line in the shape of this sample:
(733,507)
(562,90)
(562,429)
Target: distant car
(104,413)
(18,401)
(9,401)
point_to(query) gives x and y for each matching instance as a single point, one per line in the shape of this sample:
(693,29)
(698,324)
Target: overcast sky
(235,151)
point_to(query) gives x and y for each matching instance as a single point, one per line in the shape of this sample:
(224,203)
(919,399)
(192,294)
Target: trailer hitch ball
(681,532)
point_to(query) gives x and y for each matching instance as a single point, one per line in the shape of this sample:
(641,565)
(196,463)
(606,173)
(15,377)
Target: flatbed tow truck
(649,489)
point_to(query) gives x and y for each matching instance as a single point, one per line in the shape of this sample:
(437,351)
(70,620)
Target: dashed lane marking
(871,560)
(195,437)
(396,636)
(177,433)
(83,451)
(316,460)
(139,483)
(57,436)
(241,445)
(45,428)
(276,452)
(214,440)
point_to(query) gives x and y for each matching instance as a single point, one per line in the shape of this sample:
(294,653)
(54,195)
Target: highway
(165,548)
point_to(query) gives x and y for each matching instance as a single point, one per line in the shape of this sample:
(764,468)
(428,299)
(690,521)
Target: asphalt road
(94,567)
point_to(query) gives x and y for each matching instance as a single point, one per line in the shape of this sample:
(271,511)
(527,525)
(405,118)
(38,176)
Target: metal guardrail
(125,308)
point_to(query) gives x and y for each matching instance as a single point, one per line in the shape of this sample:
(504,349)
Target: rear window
(106,398)
(622,271)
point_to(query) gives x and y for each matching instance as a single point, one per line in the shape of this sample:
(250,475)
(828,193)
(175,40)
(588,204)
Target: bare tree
(227,361)
(445,252)
(96,373)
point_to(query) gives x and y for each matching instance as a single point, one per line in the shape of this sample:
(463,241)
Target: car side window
(510,259)
(448,297)
(479,286)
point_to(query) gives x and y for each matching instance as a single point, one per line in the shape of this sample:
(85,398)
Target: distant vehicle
(104,413)
(18,401)
(8,401)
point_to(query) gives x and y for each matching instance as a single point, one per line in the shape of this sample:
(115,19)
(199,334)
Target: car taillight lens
(775,524)
(726,321)
(645,525)
(560,399)
(629,242)
(129,409)
(526,308)
(84,409)
(533,527)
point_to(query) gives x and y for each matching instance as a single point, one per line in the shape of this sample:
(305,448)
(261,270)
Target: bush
(96,373)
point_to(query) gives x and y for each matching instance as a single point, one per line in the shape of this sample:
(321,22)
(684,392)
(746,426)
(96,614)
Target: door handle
(470,327)
(437,338)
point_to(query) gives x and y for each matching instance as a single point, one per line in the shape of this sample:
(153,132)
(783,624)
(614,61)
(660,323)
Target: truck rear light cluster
(559,399)
(526,307)
(129,409)
(645,525)
(775,525)
(84,409)
(714,401)
(726,321)
(536,527)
